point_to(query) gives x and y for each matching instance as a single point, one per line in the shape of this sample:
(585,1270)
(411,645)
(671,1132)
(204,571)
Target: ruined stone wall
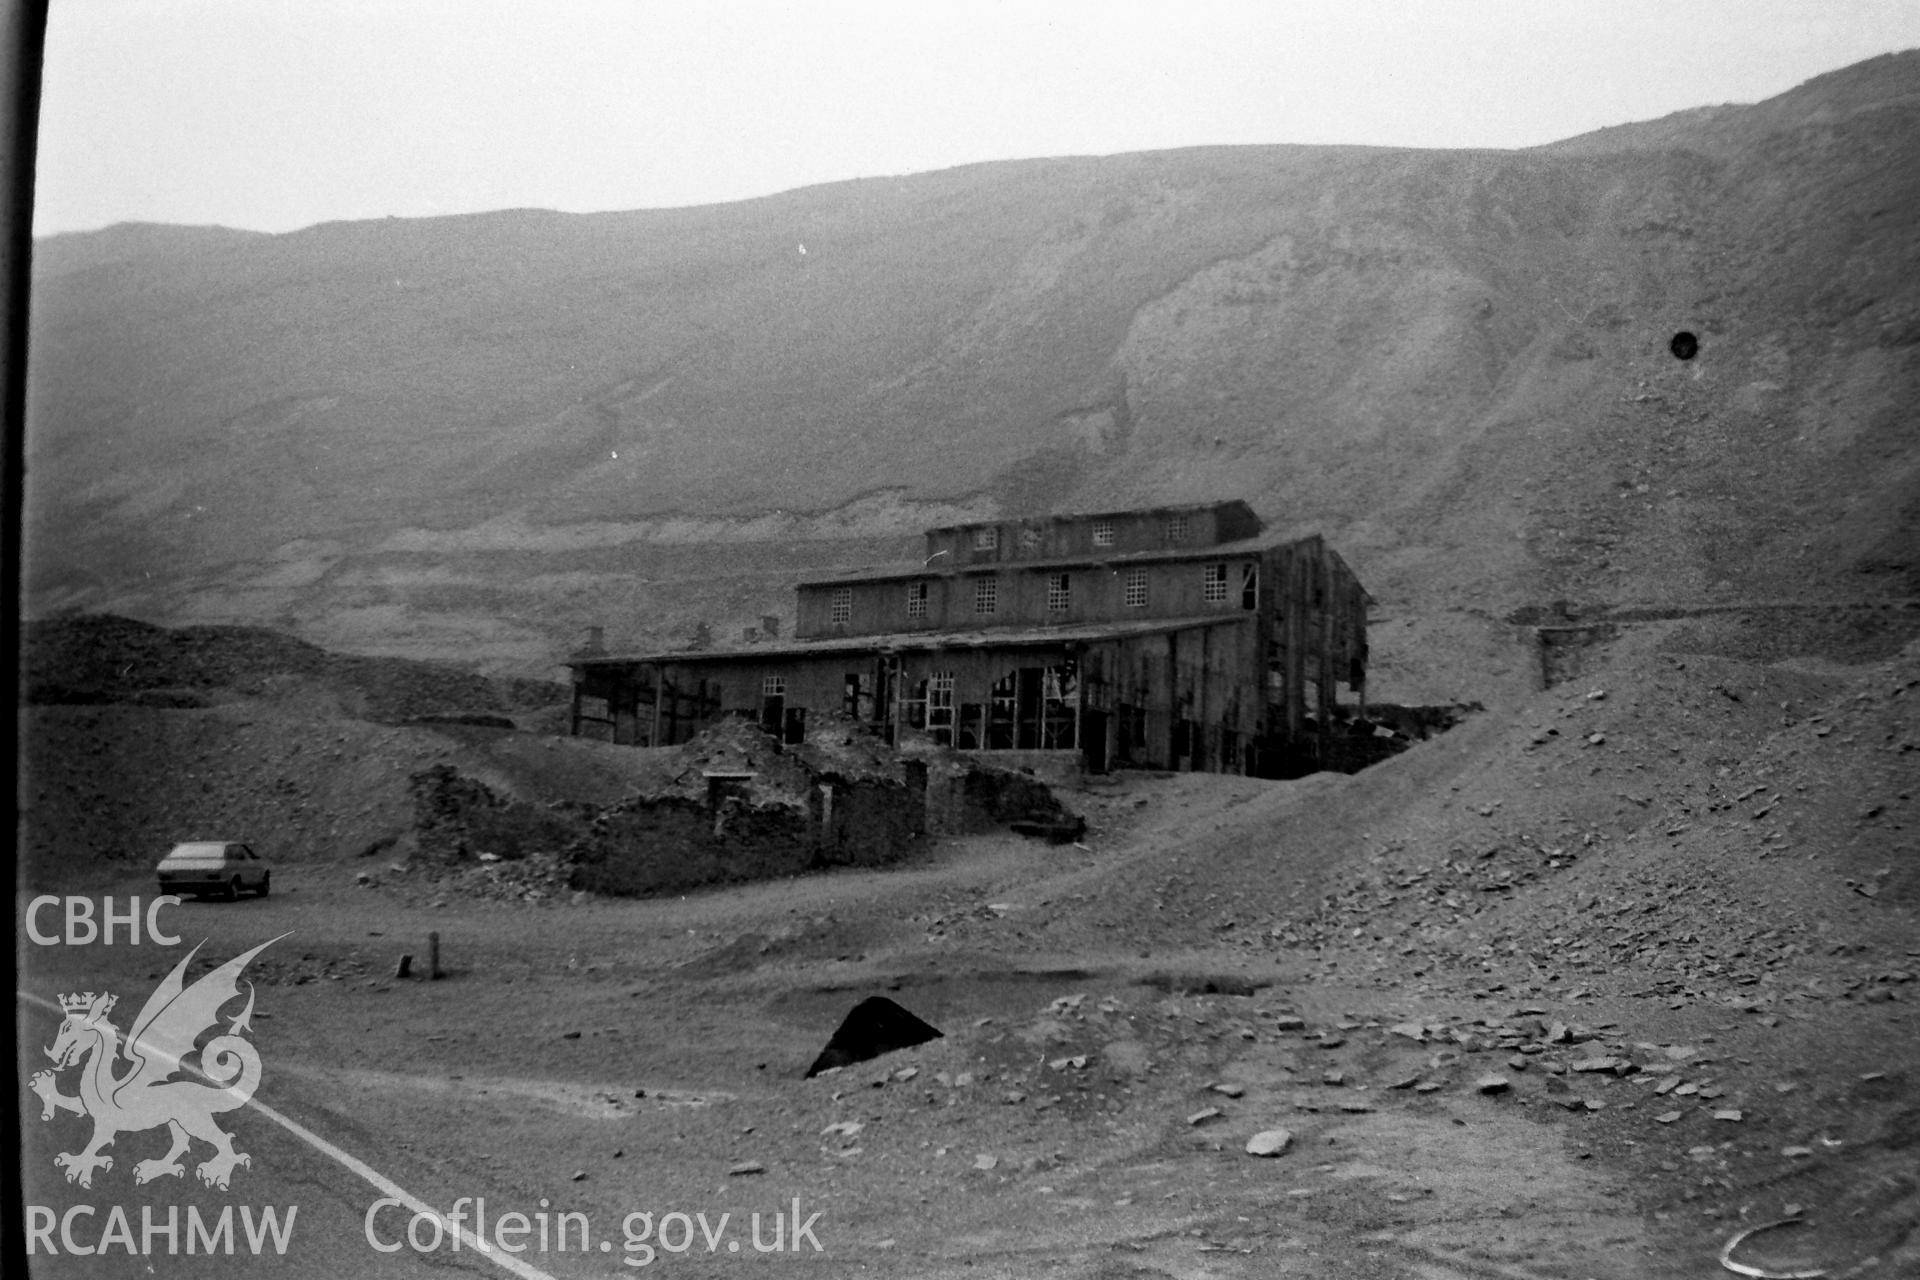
(1057,768)
(867,823)
(663,845)
(965,797)
(844,799)
(668,843)
(457,819)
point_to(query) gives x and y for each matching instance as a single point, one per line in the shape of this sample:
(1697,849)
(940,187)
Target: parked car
(213,866)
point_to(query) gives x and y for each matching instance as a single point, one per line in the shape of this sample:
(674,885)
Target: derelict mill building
(1176,637)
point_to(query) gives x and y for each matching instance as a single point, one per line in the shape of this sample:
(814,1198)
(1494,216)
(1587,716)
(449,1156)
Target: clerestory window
(986,595)
(1059,593)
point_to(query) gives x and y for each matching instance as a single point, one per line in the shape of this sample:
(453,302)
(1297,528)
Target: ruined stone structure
(1180,637)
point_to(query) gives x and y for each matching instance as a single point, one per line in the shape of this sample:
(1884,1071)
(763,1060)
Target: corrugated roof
(1122,513)
(903,641)
(907,570)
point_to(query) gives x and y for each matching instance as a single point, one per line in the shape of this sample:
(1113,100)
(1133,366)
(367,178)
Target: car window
(200,855)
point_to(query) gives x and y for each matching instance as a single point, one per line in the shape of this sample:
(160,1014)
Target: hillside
(137,736)
(474,435)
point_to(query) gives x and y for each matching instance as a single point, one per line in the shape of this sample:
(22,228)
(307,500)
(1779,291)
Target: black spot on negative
(1684,345)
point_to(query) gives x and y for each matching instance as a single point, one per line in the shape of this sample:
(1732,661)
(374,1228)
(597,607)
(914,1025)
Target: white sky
(276,114)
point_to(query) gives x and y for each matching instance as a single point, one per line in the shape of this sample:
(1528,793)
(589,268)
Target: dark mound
(875,1026)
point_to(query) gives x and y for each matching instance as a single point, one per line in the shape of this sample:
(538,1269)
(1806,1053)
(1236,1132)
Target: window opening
(1176,528)
(1189,746)
(1033,708)
(1103,533)
(1002,700)
(916,599)
(1250,585)
(970,734)
(857,699)
(1136,589)
(1026,735)
(1133,746)
(842,606)
(1215,590)
(940,707)
(987,538)
(986,595)
(1059,593)
(1059,706)
(773,706)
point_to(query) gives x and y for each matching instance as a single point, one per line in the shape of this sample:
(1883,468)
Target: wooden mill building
(1178,637)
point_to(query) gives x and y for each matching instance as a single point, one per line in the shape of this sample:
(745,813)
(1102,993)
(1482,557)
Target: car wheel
(263,885)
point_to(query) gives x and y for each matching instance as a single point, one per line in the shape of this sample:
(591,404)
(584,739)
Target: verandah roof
(918,641)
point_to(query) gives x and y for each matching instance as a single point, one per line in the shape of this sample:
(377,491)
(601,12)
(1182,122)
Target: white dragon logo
(146,1096)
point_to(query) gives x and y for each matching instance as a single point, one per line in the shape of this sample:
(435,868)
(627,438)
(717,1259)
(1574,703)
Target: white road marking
(354,1164)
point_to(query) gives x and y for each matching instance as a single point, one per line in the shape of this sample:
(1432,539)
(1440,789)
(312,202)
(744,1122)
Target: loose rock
(1269,1142)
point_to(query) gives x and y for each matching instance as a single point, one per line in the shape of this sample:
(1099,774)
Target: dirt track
(1093,1162)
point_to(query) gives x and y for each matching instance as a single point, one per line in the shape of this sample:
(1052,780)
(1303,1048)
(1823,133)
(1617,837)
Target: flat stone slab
(1269,1142)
